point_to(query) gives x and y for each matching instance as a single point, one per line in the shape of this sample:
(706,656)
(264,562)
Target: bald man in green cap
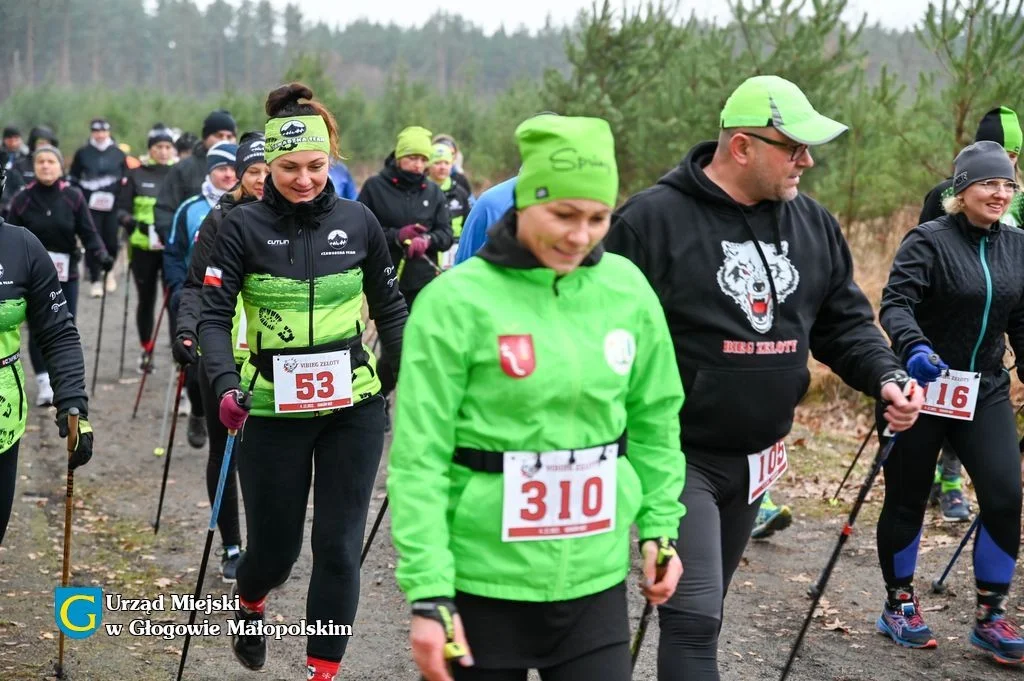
(754,277)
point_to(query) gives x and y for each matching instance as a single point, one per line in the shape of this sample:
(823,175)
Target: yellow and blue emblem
(78,610)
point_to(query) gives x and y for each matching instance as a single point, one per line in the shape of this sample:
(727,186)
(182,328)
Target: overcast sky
(532,13)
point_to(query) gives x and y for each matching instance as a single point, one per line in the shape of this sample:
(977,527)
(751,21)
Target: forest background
(912,98)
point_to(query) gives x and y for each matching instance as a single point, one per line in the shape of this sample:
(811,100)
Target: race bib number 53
(559,494)
(312,382)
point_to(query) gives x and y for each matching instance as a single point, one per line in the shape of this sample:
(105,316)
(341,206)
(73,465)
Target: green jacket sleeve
(652,421)
(431,386)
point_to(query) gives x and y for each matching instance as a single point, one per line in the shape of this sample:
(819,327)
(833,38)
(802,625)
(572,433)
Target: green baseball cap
(773,102)
(566,158)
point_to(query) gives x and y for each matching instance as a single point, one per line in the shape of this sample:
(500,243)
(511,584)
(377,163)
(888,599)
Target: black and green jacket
(138,199)
(398,198)
(30,292)
(302,270)
(458,205)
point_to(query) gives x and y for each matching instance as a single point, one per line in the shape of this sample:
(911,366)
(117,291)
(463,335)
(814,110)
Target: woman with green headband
(301,260)
(512,479)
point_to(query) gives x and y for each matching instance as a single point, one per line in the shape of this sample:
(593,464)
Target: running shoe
(1000,638)
(955,508)
(249,646)
(770,519)
(904,624)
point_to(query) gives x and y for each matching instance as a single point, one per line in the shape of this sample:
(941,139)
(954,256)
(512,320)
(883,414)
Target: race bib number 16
(953,395)
(312,382)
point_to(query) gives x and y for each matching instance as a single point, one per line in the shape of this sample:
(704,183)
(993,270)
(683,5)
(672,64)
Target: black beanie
(250,151)
(41,132)
(159,133)
(11,131)
(1001,126)
(217,121)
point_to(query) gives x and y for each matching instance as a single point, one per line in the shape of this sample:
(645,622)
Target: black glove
(107,262)
(184,348)
(83,450)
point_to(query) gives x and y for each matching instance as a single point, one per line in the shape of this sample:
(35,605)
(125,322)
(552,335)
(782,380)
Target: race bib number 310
(312,382)
(559,494)
(954,395)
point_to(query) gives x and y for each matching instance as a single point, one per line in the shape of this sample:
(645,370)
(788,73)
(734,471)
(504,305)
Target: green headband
(296,133)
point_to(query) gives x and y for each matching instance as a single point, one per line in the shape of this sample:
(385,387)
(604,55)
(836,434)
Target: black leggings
(146,267)
(988,449)
(712,537)
(8,478)
(227,519)
(192,375)
(610,663)
(385,368)
(276,461)
(106,227)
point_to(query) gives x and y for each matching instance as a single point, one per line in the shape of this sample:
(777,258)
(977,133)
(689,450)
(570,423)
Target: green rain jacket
(453,392)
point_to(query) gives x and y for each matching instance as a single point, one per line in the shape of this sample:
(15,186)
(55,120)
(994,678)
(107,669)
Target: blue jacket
(344,185)
(487,210)
(184,230)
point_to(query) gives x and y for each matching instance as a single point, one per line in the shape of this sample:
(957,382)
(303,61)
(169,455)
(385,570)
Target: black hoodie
(745,314)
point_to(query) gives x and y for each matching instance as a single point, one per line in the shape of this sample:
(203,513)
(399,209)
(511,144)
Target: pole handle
(73,414)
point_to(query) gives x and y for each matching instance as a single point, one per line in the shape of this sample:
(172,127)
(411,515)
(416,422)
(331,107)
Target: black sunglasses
(795,150)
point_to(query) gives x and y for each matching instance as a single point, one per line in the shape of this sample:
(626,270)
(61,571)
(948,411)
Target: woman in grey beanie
(955,289)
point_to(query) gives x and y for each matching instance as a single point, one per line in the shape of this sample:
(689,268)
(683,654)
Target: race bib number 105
(560,494)
(766,468)
(312,382)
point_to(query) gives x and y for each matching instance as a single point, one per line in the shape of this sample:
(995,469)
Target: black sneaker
(145,363)
(196,431)
(230,558)
(250,648)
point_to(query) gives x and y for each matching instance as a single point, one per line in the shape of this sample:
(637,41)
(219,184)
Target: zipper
(571,361)
(308,238)
(988,299)
(21,391)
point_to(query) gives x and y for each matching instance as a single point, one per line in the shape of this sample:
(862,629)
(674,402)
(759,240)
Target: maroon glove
(233,409)
(417,247)
(410,232)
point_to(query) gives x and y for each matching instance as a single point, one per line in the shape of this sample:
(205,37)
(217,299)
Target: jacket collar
(974,234)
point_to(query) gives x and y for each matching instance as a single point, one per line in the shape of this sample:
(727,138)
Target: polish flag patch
(214,276)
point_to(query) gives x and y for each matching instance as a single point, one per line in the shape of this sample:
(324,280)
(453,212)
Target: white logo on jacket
(620,351)
(743,278)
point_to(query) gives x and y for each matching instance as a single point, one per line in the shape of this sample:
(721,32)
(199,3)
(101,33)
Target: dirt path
(114,548)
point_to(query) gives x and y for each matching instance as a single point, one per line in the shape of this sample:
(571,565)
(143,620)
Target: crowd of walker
(538,388)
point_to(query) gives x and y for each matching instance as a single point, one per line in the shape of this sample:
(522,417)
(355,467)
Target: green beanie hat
(1000,125)
(442,152)
(566,158)
(414,141)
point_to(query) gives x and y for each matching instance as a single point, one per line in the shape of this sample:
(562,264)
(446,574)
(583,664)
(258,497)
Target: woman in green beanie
(513,482)
(414,214)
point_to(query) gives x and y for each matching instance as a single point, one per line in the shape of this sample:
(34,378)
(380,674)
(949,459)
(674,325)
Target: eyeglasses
(994,186)
(795,150)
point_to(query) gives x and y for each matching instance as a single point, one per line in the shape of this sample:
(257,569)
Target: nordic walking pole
(149,355)
(124,319)
(818,588)
(99,337)
(224,468)
(159,450)
(170,448)
(65,573)
(373,531)
(834,501)
(939,585)
(665,553)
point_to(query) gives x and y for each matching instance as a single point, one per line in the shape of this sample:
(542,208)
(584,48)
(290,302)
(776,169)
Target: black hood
(505,250)
(689,178)
(402,178)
